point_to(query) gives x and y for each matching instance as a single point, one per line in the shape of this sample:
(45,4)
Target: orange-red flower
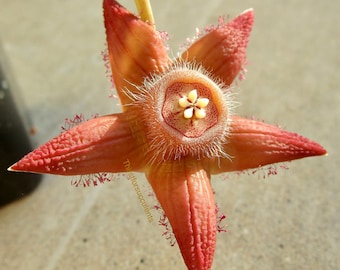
(177,125)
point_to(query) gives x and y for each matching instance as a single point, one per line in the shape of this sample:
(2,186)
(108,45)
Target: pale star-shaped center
(194,106)
(189,108)
(185,112)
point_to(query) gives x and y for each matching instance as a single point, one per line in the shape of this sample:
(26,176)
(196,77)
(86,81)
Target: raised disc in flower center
(188,108)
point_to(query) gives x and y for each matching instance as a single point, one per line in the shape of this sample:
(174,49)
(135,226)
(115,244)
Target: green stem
(145,11)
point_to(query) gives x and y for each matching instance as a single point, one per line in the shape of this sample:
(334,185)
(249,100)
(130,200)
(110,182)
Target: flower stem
(145,11)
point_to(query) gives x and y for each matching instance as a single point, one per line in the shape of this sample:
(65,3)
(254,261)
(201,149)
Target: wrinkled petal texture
(223,50)
(99,145)
(253,144)
(109,143)
(136,50)
(184,192)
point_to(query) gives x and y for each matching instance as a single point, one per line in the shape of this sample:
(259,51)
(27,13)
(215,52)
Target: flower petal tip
(184,191)
(249,11)
(254,143)
(24,165)
(135,48)
(223,50)
(319,150)
(244,22)
(12,168)
(28,163)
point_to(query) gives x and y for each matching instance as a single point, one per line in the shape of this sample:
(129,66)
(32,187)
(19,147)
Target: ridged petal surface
(223,50)
(184,192)
(135,48)
(252,144)
(99,145)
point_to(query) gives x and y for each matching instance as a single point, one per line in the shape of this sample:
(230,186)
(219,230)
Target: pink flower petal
(223,50)
(253,144)
(102,144)
(184,192)
(136,50)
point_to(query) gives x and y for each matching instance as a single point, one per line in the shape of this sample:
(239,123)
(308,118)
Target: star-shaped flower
(177,125)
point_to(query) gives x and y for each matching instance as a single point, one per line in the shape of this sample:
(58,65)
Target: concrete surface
(287,221)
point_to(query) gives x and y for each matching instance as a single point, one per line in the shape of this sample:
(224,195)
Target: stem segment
(145,11)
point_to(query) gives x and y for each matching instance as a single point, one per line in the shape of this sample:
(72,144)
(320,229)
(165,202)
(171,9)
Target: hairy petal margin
(253,144)
(136,49)
(101,144)
(184,192)
(223,50)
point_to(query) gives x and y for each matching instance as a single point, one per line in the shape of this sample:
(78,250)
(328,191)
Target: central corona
(187,113)
(187,108)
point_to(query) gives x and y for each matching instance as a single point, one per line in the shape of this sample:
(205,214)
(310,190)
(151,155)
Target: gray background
(287,221)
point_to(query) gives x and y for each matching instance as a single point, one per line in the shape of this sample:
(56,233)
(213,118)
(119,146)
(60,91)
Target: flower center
(187,108)
(193,104)
(183,111)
